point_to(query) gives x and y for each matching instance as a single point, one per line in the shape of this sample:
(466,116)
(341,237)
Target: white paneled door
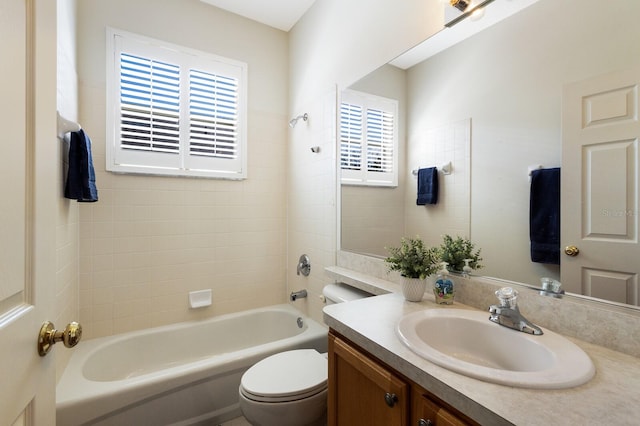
(27,207)
(600,184)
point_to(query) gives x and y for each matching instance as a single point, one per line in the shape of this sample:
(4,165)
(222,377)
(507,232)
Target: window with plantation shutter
(173,110)
(368,140)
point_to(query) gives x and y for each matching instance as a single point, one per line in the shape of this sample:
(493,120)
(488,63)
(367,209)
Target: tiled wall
(436,145)
(311,199)
(66,295)
(149,241)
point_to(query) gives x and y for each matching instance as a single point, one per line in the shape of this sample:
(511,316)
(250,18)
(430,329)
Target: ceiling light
(468,8)
(461,5)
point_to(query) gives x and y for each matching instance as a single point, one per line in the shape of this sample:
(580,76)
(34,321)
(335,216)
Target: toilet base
(311,411)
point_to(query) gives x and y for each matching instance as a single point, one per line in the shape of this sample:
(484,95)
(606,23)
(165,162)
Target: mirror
(508,81)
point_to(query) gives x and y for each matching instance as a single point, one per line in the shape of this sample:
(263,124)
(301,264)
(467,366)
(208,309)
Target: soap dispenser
(443,289)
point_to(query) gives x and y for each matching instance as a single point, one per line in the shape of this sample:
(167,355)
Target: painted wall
(151,240)
(66,308)
(509,80)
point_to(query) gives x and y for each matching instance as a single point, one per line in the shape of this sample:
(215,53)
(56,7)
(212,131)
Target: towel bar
(445,169)
(65,126)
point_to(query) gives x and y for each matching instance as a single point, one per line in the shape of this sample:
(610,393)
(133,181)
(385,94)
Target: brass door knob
(571,251)
(49,336)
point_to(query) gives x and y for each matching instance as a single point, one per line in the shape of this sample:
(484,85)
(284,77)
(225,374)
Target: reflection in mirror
(508,80)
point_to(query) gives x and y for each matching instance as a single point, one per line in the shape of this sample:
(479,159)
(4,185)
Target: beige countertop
(612,397)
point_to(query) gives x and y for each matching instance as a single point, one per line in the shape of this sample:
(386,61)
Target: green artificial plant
(455,250)
(413,259)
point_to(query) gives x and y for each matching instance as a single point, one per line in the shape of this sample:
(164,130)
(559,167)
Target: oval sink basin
(466,342)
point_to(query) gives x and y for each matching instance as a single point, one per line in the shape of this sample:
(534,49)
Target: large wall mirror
(504,85)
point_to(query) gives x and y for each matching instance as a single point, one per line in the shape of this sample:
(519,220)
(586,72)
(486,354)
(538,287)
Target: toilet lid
(286,376)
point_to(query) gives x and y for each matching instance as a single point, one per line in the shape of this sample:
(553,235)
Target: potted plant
(415,262)
(458,252)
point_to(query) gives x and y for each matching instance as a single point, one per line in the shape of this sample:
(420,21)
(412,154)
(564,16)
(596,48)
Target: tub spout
(298,295)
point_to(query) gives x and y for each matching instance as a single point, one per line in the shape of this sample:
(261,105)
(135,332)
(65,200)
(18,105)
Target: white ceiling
(281,14)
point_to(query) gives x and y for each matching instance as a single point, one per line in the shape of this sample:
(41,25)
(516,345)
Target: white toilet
(290,388)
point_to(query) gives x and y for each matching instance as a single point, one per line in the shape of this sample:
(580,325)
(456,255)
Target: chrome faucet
(298,295)
(508,315)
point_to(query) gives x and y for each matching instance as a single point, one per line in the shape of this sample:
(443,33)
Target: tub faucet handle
(304,265)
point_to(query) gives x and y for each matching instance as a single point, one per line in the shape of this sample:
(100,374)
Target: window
(368,140)
(173,110)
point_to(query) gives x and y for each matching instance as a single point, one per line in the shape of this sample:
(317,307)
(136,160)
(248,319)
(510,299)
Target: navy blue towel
(81,177)
(427,186)
(544,216)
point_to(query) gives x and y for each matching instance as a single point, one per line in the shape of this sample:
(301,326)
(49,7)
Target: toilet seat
(286,376)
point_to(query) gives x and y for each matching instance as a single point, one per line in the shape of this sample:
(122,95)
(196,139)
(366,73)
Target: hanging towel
(544,216)
(81,177)
(427,186)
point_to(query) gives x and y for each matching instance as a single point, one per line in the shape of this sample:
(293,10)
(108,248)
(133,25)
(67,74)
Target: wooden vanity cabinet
(363,391)
(428,411)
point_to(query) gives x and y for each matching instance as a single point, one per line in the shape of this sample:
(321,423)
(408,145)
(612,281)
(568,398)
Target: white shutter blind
(174,110)
(213,115)
(351,131)
(368,140)
(149,105)
(380,132)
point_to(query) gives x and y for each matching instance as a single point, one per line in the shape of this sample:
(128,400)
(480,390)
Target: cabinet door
(427,412)
(361,391)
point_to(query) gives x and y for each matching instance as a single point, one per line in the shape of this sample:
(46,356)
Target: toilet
(290,388)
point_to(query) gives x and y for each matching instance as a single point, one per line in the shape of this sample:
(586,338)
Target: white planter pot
(413,288)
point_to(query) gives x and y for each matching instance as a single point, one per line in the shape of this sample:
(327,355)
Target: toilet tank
(339,293)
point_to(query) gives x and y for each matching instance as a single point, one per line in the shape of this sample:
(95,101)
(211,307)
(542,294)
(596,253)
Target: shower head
(294,121)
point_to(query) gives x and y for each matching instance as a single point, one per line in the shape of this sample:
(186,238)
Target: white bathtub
(181,374)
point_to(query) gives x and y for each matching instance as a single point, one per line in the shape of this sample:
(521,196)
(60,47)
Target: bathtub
(181,374)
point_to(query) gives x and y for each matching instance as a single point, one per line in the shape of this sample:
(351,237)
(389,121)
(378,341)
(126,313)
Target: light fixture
(461,5)
(294,121)
(474,8)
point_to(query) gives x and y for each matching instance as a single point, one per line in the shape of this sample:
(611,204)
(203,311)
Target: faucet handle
(507,297)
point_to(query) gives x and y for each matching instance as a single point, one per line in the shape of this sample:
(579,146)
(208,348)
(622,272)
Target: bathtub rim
(73,387)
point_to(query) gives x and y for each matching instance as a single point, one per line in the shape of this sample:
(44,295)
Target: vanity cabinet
(364,391)
(361,391)
(428,411)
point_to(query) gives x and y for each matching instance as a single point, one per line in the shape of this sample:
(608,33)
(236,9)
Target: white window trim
(363,177)
(162,167)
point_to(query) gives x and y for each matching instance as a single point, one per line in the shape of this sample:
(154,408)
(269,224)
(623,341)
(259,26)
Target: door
(27,207)
(600,178)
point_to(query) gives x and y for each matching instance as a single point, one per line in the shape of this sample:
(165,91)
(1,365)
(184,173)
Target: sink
(465,341)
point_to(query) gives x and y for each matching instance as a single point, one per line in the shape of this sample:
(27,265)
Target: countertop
(612,397)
